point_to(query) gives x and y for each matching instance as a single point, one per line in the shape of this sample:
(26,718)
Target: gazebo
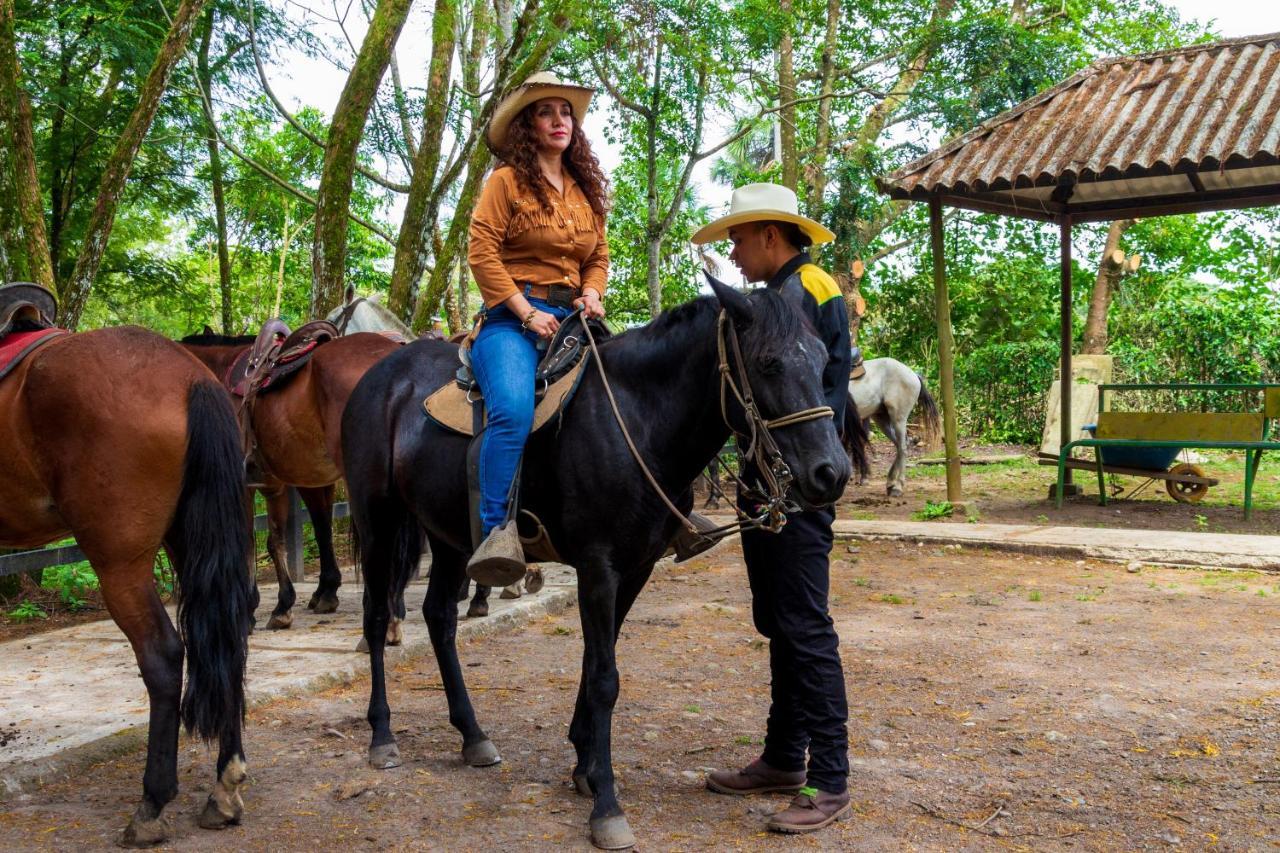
(1179,131)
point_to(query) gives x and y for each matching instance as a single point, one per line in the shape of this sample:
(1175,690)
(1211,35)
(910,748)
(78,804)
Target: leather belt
(556,295)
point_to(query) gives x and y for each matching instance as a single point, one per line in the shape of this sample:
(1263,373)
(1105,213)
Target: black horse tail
(929,412)
(211,544)
(856,440)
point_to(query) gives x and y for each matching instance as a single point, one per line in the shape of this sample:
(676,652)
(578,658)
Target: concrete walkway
(74,695)
(1167,547)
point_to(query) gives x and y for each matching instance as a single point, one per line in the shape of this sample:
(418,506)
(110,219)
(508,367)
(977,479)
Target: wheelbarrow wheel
(1182,491)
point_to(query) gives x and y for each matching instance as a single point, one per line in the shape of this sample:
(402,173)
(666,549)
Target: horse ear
(351,293)
(208,330)
(737,304)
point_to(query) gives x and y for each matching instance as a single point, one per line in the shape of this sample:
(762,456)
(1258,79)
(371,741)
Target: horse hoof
(323,603)
(895,492)
(477,610)
(145,833)
(482,753)
(612,833)
(510,592)
(384,756)
(534,581)
(214,816)
(581,785)
(395,633)
(280,621)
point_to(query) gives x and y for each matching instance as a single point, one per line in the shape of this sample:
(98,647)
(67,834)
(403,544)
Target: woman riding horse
(537,251)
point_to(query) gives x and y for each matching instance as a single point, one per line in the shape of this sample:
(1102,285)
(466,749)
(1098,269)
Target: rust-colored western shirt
(515,242)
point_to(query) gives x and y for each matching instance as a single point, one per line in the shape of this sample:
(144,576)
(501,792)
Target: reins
(761,448)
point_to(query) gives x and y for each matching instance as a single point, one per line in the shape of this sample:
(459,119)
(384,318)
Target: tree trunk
(328,258)
(429,299)
(787,94)
(413,246)
(815,171)
(1109,272)
(24,249)
(215,177)
(121,161)
(653,233)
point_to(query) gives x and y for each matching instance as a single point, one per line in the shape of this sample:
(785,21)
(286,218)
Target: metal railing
(44,558)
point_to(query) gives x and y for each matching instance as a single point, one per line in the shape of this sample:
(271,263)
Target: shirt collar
(788,268)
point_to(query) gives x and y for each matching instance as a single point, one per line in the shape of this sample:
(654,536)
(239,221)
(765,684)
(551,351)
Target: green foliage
(71,582)
(933,510)
(27,611)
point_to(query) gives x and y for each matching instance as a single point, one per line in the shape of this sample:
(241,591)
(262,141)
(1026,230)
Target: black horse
(404,474)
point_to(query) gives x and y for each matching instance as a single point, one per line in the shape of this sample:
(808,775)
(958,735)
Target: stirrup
(688,544)
(499,561)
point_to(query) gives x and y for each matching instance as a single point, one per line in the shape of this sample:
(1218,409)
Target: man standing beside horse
(789,571)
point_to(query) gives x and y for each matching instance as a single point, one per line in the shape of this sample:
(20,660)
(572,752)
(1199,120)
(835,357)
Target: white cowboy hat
(762,203)
(541,85)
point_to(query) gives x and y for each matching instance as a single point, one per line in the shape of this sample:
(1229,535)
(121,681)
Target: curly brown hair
(521,154)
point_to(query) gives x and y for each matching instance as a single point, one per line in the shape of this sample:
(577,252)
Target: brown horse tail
(211,546)
(856,439)
(929,413)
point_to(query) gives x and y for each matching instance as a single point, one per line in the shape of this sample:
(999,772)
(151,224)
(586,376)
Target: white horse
(887,394)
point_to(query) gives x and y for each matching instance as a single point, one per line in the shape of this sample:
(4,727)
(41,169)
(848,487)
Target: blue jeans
(504,358)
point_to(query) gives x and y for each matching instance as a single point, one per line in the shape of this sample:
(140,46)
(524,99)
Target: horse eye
(771,366)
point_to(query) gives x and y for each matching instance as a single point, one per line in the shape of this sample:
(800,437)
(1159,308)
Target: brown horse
(297,430)
(121,439)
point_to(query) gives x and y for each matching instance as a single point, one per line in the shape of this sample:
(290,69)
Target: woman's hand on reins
(590,304)
(543,324)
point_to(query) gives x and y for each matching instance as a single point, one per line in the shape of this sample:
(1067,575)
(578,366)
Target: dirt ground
(997,701)
(1016,492)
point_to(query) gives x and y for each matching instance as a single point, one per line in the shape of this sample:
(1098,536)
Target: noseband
(761,449)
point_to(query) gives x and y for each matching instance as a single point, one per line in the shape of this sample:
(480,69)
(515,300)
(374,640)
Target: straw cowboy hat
(762,203)
(541,85)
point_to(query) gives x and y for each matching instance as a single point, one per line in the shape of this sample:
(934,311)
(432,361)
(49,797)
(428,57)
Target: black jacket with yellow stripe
(824,305)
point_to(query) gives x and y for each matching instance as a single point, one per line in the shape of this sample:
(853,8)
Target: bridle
(761,449)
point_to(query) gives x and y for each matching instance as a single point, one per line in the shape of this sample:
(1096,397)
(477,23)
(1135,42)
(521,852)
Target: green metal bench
(1247,431)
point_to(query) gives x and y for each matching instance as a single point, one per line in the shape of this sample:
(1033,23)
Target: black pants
(790,579)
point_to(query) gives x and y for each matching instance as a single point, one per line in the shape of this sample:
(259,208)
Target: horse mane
(208,340)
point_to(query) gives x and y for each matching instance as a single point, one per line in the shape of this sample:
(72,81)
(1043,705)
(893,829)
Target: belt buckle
(560,296)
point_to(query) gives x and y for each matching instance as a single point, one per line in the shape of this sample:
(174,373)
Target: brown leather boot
(811,810)
(756,778)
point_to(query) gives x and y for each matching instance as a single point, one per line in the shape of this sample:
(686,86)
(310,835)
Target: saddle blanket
(16,346)
(450,406)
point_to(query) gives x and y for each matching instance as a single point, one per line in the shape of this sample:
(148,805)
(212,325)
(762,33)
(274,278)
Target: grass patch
(1034,595)
(933,510)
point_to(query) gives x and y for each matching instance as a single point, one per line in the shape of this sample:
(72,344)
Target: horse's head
(366,314)
(782,360)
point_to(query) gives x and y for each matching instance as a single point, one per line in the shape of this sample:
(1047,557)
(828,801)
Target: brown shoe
(756,778)
(811,810)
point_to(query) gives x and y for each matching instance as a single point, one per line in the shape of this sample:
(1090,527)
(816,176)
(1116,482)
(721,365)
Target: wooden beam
(1064,232)
(946,355)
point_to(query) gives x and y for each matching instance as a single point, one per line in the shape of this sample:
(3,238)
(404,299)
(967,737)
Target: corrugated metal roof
(1197,127)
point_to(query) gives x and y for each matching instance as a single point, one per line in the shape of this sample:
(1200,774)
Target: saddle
(26,307)
(459,405)
(27,314)
(857,369)
(276,355)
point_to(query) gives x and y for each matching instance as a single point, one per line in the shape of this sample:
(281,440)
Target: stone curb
(17,779)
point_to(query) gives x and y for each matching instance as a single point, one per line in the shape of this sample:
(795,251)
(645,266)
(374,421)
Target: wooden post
(1065,342)
(942,314)
(293,557)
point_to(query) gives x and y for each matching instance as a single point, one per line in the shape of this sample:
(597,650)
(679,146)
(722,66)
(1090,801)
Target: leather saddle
(26,307)
(857,369)
(27,314)
(276,355)
(458,406)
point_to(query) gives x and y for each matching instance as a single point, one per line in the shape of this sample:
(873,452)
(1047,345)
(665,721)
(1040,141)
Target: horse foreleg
(277,519)
(440,609)
(130,595)
(597,609)
(319,503)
